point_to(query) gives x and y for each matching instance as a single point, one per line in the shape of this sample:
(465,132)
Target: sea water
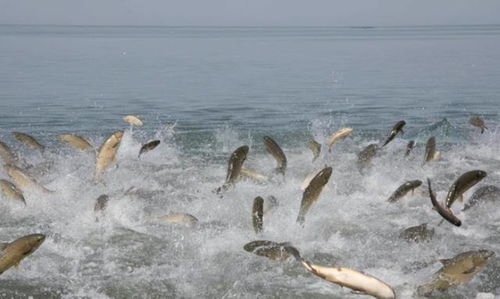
(203,92)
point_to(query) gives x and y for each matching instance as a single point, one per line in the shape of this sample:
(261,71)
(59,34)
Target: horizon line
(250,26)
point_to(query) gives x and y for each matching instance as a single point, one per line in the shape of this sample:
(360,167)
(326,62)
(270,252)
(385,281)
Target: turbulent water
(206,91)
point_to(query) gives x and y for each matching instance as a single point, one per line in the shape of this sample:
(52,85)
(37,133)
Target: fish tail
(425,290)
(293,251)
(301,219)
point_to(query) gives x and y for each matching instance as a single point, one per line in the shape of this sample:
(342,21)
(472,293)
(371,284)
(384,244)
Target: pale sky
(250,12)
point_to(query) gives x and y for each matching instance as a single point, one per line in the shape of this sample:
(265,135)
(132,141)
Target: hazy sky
(249,12)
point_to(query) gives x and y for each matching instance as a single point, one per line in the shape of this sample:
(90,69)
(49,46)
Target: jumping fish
(107,153)
(149,146)
(312,192)
(457,270)
(355,280)
(76,141)
(7,155)
(315,148)
(409,147)
(275,150)
(12,253)
(29,140)
(477,121)
(272,250)
(234,166)
(180,218)
(366,155)
(257,214)
(462,184)
(10,190)
(430,150)
(133,120)
(417,233)
(24,181)
(488,192)
(101,203)
(308,180)
(404,189)
(253,174)
(444,211)
(397,128)
(342,133)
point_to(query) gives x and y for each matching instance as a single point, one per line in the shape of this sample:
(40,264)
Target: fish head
(242,151)
(484,254)
(416,183)
(325,174)
(31,243)
(118,134)
(250,247)
(480,174)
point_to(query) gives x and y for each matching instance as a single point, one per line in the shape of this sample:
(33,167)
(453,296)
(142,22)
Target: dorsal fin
(445,261)
(3,245)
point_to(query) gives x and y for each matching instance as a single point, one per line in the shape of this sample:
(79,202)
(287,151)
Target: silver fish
(133,120)
(477,121)
(355,280)
(397,128)
(11,191)
(272,250)
(315,148)
(417,233)
(404,189)
(7,155)
(28,140)
(444,211)
(24,181)
(76,141)
(409,147)
(457,270)
(234,166)
(275,150)
(488,192)
(312,192)
(12,253)
(430,150)
(340,134)
(180,218)
(149,146)
(107,153)
(257,214)
(366,155)
(462,184)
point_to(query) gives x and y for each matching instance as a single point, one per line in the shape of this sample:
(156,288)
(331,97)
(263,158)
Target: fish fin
(445,261)
(461,198)
(437,155)
(293,251)
(3,245)
(17,265)
(470,271)
(402,132)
